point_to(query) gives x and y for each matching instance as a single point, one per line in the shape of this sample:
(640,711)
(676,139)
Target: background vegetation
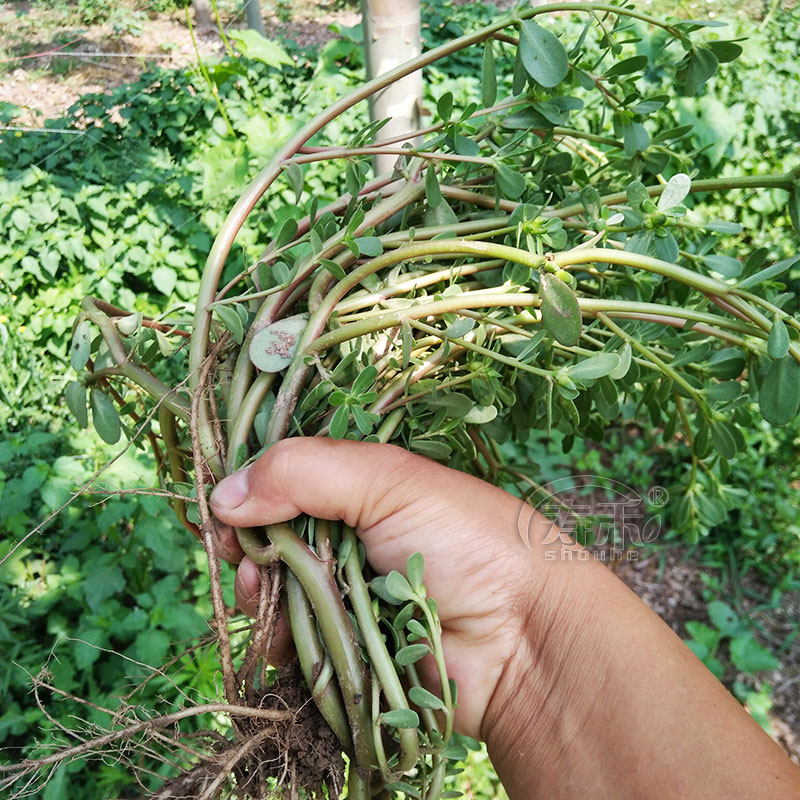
(121,198)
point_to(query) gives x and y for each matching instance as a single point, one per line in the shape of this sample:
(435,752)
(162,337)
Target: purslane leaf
(561,314)
(778,341)
(544,57)
(411,653)
(779,393)
(425,699)
(273,348)
(675,191)
(75,396)
(105,417)
(81,342)
(400,718)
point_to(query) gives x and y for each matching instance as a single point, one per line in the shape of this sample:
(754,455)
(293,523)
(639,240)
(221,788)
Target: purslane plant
(513,273)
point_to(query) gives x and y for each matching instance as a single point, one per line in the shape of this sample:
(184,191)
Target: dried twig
(263,628)
(230,762)
(207,529)
(128,732)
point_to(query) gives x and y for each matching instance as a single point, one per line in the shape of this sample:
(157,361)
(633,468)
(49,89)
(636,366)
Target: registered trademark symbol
(658,495)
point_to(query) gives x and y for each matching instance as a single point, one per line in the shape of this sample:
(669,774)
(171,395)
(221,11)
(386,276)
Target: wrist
(537,715)
(602,699)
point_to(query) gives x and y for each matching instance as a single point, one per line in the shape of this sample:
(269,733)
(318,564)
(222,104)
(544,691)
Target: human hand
(577,687)
(476,565)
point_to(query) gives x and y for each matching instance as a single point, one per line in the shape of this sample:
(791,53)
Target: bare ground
(47,63)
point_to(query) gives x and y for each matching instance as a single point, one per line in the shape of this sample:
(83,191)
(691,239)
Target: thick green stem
(412,283)
(358,786)
(436,784)
(623,257)
(390,425)
(380,660)
(351,152)
(781,181)
(313,659)
(243,422)
(634,309)
(340,641)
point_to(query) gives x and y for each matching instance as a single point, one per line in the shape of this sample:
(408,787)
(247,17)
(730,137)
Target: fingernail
(232,491)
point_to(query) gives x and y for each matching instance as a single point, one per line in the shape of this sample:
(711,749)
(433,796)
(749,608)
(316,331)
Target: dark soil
(305,753)
(301,754)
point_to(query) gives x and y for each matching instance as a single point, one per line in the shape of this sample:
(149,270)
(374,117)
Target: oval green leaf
(75,395)
(433,194)
(81,342)
(510,183)
(127,326)
(723,440)
(436,450)
(294,174)
(461,327)
(339,422)
(723,392)
(105,417)
(769,273)
(779,393)
(561,314)
(625,355)
(725,265)
(627,66)
(675,192)
(400,718)
(369,246)
(544,57)
(637,194)
(595,367)
(398,586)
(273,348)
(424,699)
(635,138)
(415,567)
(411,653)
(480,415)
(778,342)
(232,321)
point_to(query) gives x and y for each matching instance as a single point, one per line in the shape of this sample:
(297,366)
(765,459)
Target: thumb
(360,483)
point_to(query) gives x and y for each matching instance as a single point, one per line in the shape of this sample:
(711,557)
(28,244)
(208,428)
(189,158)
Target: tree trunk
(254,19)
(391,37)
(202,14)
